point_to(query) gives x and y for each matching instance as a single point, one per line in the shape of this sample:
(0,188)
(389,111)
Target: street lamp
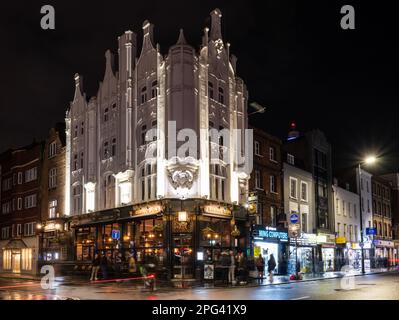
(367,161)
(259,108)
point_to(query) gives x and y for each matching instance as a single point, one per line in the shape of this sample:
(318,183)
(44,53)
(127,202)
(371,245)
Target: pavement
(382,285)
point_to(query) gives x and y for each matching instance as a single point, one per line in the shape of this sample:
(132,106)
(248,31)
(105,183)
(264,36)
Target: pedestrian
(95,267)
(132,264)
(232,268)
(271,265)
(118,263)
(260,265)
(104,266)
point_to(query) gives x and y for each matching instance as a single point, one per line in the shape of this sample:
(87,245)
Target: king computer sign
(269,233)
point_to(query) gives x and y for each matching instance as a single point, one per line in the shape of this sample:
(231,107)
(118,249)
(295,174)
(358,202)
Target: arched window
(154,89)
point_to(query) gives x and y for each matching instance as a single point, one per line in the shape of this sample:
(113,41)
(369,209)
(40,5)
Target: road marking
(301,298)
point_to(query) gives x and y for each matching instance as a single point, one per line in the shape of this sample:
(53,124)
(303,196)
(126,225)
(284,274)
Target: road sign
(371,231)
(294,218)
(116,234)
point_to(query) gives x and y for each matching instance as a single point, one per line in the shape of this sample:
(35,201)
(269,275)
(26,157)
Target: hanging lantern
(235,233)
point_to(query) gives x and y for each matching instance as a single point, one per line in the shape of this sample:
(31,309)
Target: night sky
(294,57)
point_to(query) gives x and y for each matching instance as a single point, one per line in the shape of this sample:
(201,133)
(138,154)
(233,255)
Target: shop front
(302,251)
(269,240)
(55,242)
(177,237)
(354,254)
(326,251)
(20,256)
(384,253)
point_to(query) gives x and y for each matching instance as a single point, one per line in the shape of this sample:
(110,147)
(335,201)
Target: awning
(16,244)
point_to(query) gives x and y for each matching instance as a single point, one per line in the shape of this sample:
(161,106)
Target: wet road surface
(368,287)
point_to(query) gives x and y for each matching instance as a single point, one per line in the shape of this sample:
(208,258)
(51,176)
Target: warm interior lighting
(57,226)
(182,217)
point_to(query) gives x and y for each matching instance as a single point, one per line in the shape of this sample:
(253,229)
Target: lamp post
(259,108)
(369,160)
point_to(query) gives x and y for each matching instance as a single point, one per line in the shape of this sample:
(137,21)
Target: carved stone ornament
(182,173)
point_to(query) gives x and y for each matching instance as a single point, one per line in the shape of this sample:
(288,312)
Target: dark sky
(294,57)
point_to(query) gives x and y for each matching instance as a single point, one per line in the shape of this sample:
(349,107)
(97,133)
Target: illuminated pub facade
(128,190)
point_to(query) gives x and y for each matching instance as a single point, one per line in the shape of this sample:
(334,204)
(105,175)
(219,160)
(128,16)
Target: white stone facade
(111,163)
(367,202)
(299,196)
(347,214)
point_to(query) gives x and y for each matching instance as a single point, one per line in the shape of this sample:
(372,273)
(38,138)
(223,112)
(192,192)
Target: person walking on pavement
(95,267)
(118,264)
(132,264)
(232,268)
(260,265)
(271,265)
(104,266)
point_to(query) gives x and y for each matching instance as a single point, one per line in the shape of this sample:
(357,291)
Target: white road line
(301,298)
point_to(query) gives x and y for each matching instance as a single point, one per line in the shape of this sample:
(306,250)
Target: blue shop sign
(371,231)
(116,234)
(270,234)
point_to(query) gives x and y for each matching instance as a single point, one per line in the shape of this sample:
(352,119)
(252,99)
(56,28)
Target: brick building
(20,179)
(53,229)
(382,220)
(266,178)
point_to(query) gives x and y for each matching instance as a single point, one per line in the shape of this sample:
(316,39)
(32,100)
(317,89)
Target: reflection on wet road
(377,286)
